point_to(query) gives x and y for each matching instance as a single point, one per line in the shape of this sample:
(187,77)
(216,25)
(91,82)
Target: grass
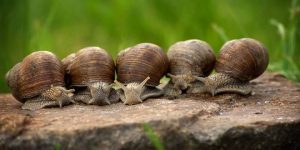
(149,132)
(66,26)
(153,137)
(289,35)
(57,147)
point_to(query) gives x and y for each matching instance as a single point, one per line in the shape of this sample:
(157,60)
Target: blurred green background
(66,26)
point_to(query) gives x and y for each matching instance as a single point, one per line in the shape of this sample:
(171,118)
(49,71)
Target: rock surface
(270,119)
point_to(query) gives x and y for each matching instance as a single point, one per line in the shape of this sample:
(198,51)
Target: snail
(139,70)
(38,81)
(188,60)
(66,63)
(239,61)
(91,71)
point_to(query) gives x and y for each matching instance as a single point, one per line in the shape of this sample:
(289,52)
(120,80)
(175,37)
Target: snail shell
(35,76)
(193,56)
(136,63)
(239,62)
(11,78)
(188,60)
(66,63)
(94,68)
(244,59)
(142,64)
(91,64)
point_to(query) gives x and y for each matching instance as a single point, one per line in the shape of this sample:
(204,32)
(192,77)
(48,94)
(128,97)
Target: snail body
(38,81)
(188,60)
(139,70)
(91,71)
(239,62)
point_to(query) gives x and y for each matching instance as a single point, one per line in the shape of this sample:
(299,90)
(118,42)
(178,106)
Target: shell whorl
(193,56)
(91,64)
(136,63)
(11,78)
(67,61)
(244,59)
(35,74)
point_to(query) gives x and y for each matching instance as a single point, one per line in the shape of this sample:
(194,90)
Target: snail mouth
(133,96)
(184,90)
(181,86)
(66,98)
(132,92)
(99,93)
(59,94)
(99,99)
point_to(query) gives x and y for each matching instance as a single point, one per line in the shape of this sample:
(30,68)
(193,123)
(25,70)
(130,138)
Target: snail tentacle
(188,60)
(239,61)
(91,71)
(55,96)
(139,67)
(59,95)
(43,89)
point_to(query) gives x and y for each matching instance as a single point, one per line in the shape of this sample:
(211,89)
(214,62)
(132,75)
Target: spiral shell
(136,63)
(67,61)
(244,59)
(89,65)
(11,78)
(35,74)
(193,56)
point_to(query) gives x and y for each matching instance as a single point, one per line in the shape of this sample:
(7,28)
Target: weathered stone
(270,119)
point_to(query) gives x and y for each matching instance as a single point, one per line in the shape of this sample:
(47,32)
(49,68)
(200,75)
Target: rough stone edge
(259,135)
(174,134)
(142,142)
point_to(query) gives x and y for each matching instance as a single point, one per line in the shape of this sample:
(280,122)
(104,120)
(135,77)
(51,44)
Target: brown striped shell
(11,79)
(35,74)
(136,63)
(67,64)
(193,56)
(68,60)
(89,65)
(244,59)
